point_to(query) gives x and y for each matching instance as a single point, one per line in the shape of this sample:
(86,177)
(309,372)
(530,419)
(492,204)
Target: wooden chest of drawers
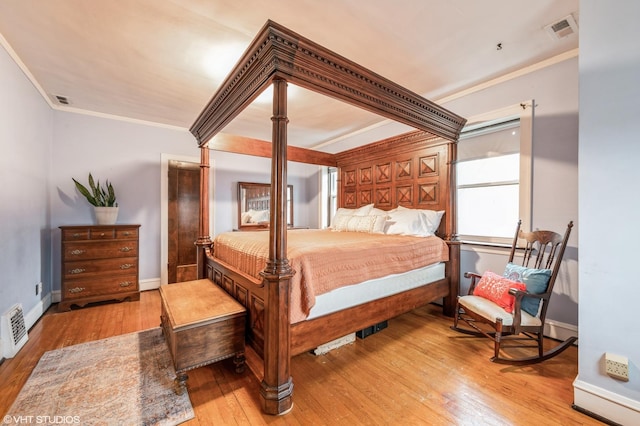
(202,324)
(99,262)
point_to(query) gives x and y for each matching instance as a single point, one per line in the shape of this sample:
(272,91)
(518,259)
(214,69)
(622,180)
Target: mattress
(324,260)
(366,291)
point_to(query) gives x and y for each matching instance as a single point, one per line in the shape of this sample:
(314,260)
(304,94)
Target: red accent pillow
(496,288)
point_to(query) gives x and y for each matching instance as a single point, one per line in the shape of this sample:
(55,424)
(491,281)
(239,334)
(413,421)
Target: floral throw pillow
(496,288)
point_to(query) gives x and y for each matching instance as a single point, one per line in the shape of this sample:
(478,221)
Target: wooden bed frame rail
(309,334)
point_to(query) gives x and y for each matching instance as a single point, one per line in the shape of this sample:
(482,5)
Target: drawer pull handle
(126,265)
(126,233)
(126,249)
(125,284)
(76,290)
(77,271)
(76,235)
(102,234)
(77,252)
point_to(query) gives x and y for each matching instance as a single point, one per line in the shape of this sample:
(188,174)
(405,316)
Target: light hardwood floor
(415,372)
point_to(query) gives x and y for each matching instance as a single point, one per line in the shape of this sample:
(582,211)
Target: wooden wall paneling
(383,172)
(404,195)
(383,198)
(408,173)
(404,169)
(365,176)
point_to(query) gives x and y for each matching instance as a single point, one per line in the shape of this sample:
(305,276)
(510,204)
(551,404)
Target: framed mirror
(254,200)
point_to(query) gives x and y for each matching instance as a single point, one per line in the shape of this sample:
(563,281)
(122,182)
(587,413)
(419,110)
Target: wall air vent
(13,331)
(562,28)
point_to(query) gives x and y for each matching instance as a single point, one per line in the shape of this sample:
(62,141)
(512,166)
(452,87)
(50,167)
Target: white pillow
(360,211)
(341,213)
(360,223)
(407,222)
(370,224)
(433,218)
(377,212)
(380,221)
(260,216)
(364,210)
(340,221)
(245,218)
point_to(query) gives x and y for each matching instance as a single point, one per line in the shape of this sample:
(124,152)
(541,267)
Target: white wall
(43,149)
(609,206)
(128,155)
(555,172)
(25,165)
(233,168)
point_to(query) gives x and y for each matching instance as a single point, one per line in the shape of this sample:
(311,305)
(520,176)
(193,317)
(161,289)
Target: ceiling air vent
(62,100)
(562,28)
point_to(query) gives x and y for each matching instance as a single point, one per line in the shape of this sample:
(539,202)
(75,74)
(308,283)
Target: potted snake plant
(102,198)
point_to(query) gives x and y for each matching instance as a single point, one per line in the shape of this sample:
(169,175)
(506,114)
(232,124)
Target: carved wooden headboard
(411,170)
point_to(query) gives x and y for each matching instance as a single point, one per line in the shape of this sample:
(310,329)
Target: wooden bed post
(277,386)
(203,243)
(453,266)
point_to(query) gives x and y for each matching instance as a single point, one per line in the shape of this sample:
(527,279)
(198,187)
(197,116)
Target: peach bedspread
(324,260)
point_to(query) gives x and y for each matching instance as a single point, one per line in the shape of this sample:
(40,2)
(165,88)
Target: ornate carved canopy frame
(276,56)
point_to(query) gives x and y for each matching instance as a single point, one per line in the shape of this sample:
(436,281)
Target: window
(494,176)
(328,195)
(333,192)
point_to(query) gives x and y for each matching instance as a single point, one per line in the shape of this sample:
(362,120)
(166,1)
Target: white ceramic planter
(106,215)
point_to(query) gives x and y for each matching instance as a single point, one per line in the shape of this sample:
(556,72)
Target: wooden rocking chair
(487,312)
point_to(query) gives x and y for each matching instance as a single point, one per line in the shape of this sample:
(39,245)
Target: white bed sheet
(366,291)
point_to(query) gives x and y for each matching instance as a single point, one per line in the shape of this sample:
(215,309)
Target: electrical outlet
(617,366)
(38,288)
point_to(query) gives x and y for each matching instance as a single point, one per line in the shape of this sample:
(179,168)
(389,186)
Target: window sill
(484,247)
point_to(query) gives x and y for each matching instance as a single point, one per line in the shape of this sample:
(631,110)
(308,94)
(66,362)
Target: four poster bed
(291,301)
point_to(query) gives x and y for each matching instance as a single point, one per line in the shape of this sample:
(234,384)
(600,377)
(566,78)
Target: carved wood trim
(279,52)
(405,143)
(409,170)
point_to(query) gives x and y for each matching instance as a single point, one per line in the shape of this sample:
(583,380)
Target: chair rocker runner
(511,309)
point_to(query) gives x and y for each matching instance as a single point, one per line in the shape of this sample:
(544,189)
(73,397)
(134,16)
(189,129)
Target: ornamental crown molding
(279,53)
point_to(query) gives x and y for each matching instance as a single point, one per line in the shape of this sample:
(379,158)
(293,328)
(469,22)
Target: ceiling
(160,61)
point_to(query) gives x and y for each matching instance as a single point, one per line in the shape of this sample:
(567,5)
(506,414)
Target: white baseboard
(37,311)
(559,330)
(149,284)
(604,403)
(30,318)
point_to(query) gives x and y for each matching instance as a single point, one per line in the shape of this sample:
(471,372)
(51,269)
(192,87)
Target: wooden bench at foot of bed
(202,324)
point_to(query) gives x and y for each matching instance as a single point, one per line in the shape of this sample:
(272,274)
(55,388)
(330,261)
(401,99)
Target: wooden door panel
(184,204)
